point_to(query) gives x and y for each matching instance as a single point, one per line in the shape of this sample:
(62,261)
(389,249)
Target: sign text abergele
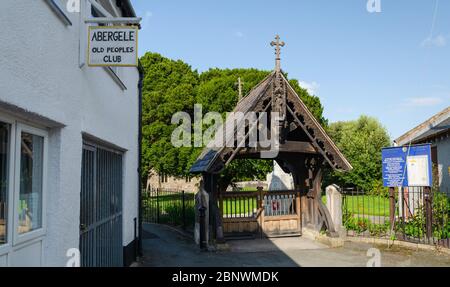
(113,46)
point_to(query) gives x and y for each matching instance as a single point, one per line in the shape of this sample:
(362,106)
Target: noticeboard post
(113,46)
(407,166)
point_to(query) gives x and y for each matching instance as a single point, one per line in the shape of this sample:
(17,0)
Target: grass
(357,204)
(169,203)
(365,205)
(239,206)
(170,208)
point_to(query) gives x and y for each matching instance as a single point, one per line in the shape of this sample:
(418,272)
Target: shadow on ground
(164,246)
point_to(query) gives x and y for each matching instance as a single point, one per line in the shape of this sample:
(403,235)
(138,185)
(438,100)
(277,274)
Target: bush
(378,189)
(359,225)
(416,225)
(379,229)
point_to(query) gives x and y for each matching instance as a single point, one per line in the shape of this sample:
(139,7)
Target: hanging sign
(407,166)
(113,46)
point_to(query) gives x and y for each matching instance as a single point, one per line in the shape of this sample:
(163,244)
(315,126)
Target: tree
(361,142)
(168,87)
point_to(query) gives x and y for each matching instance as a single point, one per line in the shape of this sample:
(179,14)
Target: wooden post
(220,204)
(429,213)
(298,210)
(392,206)
(261,207)
(203,236)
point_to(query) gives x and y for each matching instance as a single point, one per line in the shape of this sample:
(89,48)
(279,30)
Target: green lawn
(365,205)
(358,204)
(239,206)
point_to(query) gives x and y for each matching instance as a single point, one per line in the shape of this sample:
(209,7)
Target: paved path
(165,247)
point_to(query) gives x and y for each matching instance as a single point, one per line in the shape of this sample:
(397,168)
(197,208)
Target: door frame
(94,147)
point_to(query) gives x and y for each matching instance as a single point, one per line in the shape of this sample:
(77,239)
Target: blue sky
(393,65)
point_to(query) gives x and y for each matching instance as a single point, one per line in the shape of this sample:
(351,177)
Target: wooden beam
(287,147)
(242,142)
(296,146)
(311,137)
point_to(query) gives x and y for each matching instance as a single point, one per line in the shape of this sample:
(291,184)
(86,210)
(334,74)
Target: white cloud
(311,87)
(239,34)
(438,41)
(423,101)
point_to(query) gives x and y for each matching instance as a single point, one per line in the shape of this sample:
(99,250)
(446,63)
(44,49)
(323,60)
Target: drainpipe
(140,84)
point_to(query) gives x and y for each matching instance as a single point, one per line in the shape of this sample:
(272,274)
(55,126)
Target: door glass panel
(4,180)
(31,173)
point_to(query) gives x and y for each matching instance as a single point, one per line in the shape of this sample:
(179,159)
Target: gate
(282,214)
(261,213)
(171,207)
(240,213)
(101,208)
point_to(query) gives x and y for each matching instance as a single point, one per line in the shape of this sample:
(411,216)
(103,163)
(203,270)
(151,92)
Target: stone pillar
(201,206)
(334,205)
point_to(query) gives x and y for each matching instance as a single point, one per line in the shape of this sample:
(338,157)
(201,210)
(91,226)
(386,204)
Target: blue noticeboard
(407,166)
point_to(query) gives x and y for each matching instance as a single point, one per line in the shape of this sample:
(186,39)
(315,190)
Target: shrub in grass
(379,229)
(359,225)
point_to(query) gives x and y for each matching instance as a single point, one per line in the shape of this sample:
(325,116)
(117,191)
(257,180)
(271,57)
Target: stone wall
(156,180)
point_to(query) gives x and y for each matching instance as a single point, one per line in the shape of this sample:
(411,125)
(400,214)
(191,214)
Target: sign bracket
(114,20)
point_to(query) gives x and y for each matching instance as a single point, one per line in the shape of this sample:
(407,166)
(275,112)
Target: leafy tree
(168,87)
(361,142)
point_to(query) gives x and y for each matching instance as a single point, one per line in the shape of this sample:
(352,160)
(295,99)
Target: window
(31,171)
(22,178)
(29,188)
(4,180)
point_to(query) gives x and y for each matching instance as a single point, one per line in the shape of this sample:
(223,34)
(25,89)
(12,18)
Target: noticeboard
(407,166)
(113,46)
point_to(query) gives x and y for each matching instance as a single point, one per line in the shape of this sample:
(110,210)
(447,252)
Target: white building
(69,140)
(435,131)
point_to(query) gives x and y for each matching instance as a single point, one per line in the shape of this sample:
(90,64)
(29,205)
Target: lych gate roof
(320,142)
(301,132)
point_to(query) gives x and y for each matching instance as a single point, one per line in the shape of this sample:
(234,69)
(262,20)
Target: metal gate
(101,208)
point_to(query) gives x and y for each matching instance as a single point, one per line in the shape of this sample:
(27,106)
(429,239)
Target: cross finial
(239,84)
(278,46)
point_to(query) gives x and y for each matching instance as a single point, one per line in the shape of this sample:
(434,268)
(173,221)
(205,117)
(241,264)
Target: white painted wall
(39,72)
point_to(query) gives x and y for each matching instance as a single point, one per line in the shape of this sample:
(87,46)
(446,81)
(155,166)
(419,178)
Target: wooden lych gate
(258,214)
(303,149)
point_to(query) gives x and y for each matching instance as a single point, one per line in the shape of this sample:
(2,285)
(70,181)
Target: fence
(245,204)
(239,204)
(171,207)
(413,214)
(280,204)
